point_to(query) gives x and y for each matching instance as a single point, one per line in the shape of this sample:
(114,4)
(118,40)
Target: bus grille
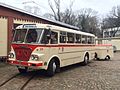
(23,54)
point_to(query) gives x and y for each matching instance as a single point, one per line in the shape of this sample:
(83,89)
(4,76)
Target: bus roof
(53,27)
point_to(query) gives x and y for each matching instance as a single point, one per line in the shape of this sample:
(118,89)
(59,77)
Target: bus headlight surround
(11,55)
(35,57)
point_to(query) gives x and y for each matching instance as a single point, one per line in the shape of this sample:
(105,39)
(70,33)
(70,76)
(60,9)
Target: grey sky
(102,6)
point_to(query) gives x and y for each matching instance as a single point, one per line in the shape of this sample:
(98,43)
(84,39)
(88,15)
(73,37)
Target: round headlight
(34,57)
(11,55)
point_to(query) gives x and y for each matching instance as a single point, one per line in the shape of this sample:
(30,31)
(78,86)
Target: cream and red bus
(49,47)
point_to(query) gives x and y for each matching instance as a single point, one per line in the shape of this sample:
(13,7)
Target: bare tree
(56,10)
(58,15)
(115,12)
(48,15)
(88,20)
(68,15)
(112,20)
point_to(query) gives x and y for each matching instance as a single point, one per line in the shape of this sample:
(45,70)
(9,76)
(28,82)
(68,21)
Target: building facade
(111,32)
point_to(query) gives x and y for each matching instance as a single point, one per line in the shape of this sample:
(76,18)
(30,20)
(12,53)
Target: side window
(70,37)
(54,37)
(84,39)
(62,37)
(45,39)
(89,40)
(78,38)
(93,40)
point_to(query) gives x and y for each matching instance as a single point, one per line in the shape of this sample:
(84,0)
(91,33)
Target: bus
(115,41)
(49,47)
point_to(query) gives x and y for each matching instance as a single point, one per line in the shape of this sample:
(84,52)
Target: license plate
(22,67)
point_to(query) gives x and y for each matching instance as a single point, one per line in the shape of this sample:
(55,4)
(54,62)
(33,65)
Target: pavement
(97,75)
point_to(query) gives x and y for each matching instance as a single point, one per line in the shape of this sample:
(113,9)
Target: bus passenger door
(62,40)
(54,43)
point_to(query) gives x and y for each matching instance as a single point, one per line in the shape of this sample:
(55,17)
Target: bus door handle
(61,49)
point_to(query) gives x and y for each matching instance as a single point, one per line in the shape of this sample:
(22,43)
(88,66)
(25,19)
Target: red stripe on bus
(104,45)
(58,45)
(32,47)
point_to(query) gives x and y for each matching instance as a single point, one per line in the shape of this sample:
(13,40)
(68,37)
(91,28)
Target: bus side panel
(72,55)
(103,51)
(3,37)
(115,41)
(44,53)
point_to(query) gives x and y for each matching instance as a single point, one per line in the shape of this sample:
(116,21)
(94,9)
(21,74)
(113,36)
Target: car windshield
(27,36)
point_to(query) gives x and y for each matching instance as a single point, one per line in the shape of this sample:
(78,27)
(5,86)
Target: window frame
(56,38)
(62,35)
(68,37)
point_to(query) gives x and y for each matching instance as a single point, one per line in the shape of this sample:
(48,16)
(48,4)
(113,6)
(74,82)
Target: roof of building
(37,16)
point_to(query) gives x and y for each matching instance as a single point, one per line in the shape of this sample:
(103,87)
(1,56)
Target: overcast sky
(102,6)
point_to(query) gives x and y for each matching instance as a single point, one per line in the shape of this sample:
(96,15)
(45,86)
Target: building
(111,32)
(111,36)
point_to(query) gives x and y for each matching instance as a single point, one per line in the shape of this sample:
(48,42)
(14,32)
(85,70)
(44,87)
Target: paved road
(97,75)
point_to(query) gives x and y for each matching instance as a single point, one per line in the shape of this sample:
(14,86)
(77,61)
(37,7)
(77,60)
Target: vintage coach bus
(48,47)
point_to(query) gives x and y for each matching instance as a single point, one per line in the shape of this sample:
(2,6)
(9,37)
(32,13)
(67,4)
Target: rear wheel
(86,60)
(52,67)
(107,57)
(22,70)
(96,56)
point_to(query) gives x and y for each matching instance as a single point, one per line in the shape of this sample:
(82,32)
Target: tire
(86,60)
(107,57)
(22,70)
(52,67)
(96,56)
(114,49)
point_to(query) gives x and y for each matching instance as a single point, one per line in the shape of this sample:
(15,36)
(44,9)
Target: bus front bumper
(28,64)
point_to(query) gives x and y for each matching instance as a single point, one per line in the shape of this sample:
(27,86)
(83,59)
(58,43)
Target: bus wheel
(107,57)
(96,56)
(21,70)
(51,68)
(86,60)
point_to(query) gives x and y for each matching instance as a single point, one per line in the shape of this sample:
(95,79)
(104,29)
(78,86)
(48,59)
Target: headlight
(34,57)
(11,55)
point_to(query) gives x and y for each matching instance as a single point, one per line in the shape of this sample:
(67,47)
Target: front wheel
(51,68)
(107,57)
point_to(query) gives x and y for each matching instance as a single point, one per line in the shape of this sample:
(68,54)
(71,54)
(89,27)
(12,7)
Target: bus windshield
(27,36)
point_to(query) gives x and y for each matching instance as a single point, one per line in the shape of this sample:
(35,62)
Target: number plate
(22,67)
